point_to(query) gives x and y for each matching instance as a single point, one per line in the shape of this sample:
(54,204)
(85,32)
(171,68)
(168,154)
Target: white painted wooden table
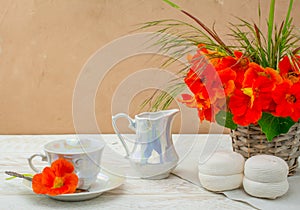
(171,193)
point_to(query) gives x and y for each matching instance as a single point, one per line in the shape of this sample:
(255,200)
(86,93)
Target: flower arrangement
(254,81)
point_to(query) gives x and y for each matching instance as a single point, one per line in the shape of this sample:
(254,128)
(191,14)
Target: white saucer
(104,182)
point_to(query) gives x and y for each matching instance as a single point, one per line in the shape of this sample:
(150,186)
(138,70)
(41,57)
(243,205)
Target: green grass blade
(271,25)
(172,4)
(10,178)
(287,19)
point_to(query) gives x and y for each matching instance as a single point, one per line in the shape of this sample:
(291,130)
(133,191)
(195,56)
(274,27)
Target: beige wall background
(45,43)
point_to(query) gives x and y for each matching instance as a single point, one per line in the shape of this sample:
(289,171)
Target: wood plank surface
(171,193)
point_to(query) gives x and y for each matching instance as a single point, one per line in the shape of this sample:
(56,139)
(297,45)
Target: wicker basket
(250,141)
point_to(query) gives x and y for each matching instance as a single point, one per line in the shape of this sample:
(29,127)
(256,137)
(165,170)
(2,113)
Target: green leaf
(273,126)
(172,4)
(225,119)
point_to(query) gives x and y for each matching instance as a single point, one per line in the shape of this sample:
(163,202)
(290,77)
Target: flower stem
(15,174)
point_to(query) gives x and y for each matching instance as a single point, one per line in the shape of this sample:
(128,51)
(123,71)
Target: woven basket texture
(250,141)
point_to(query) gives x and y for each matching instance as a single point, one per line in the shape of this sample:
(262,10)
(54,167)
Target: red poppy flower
(287,99)
(57,179)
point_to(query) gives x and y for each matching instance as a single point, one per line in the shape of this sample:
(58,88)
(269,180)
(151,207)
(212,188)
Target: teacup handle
(131,126)
(44,158)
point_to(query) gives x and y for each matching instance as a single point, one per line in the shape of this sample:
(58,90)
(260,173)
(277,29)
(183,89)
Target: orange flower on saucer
(57,179)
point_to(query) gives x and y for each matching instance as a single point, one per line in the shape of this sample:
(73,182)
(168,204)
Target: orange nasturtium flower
(289,68)
(248,103)
(57,179)
(287,99)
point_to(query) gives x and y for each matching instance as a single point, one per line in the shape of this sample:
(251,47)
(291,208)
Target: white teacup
(85,154)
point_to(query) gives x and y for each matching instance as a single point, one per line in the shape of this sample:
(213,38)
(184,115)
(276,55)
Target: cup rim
(98,147)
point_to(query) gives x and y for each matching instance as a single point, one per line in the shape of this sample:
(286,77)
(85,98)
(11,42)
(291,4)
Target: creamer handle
(131,125)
